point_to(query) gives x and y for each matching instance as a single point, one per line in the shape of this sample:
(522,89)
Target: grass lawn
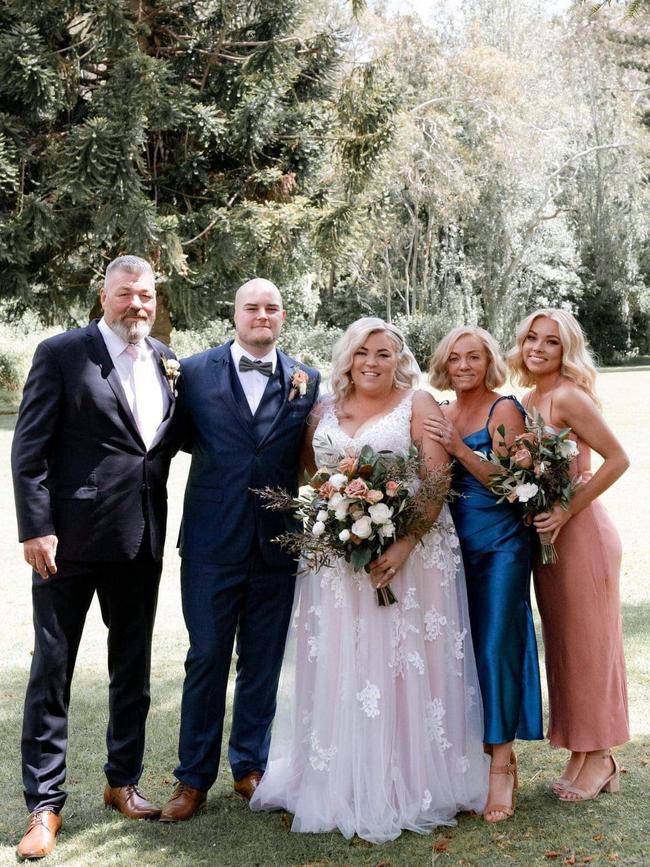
(611,829)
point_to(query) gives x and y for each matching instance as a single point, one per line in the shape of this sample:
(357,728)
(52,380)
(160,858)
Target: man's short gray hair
(130,264)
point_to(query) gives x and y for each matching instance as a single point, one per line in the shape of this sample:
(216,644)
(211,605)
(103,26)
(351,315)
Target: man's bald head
(252,288)
(258,315)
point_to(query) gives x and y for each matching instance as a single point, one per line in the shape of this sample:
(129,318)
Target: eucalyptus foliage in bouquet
(356,508)
(535,471)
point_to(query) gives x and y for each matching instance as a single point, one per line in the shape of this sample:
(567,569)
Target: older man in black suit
(90,460)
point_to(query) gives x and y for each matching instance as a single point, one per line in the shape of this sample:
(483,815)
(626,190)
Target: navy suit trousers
(250,602)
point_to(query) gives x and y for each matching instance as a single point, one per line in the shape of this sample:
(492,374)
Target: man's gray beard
(132,333)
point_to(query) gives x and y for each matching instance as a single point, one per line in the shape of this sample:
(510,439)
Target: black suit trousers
(127,594)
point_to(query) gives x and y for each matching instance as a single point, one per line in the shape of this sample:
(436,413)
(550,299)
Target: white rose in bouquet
(322,515)
(342,509)
(380,513)
(318,529)
(568,449)
(339,480)
(344,535)
(362,527)
(335,501)
(526,492)
(387,530)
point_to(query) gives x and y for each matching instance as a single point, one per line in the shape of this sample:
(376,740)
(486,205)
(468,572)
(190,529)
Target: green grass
(612,829)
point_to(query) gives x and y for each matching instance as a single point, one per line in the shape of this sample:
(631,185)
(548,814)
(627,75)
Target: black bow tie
(263,367)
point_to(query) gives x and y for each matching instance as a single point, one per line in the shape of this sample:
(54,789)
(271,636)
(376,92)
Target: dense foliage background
(461,170)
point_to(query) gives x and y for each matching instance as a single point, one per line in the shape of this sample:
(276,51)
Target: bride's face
(374,364)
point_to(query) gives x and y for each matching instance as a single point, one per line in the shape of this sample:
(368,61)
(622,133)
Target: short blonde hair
(495,374)
(407,372)
(577,362)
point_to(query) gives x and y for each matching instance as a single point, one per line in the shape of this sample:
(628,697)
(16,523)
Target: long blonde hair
(495,375)
(407,372)
(577,362)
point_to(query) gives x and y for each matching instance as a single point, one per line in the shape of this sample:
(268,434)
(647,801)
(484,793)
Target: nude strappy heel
(611,784)
(511,769)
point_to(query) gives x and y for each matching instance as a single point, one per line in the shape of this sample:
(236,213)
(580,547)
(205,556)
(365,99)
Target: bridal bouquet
(356,508)
(535,471)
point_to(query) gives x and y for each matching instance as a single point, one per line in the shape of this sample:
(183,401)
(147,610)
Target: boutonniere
(299,383)
(172,372)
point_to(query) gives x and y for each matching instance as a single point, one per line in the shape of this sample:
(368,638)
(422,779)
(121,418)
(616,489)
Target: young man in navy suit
(247,405)
(90,460)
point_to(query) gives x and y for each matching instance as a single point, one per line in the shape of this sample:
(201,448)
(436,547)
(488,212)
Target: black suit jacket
(80,467)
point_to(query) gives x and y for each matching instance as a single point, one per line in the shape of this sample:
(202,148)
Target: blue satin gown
(496,553)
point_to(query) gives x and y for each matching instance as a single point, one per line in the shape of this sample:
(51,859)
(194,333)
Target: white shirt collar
(114,343)
(237,351)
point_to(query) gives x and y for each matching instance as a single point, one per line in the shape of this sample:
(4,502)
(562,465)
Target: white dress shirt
(152,390)
(252,382)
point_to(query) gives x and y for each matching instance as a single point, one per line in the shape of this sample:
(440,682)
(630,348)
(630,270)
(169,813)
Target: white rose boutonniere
(172,372)
(299,383)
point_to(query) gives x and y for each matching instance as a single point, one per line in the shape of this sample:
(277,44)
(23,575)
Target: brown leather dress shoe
(40,836)
(183,804)
(246,786)
(128,801)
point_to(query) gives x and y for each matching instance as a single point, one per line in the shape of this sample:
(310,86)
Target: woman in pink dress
(578,596)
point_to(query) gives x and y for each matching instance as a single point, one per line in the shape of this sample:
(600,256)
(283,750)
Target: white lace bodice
(391,432)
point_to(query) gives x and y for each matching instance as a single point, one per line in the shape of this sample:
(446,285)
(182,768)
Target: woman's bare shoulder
(424,403)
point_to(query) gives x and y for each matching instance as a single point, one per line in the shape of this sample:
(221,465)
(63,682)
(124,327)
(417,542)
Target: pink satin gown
(578,600)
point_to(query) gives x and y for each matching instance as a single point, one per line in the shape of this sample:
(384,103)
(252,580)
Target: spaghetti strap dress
(496,548)
(579,603)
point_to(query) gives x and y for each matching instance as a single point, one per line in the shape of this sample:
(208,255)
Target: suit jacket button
(143,487)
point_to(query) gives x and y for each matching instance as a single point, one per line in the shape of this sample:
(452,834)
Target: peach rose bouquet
(358,507)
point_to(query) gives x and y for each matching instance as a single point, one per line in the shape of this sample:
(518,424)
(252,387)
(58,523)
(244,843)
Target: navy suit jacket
(222,518)
(80,467)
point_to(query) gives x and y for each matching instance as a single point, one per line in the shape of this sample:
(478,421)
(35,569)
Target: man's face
(129,303)
(258,315)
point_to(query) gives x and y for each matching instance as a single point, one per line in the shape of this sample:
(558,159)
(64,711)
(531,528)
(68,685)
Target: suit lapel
(99,354)
(222,372)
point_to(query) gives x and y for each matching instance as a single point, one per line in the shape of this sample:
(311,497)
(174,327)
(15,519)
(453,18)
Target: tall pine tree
(192,133)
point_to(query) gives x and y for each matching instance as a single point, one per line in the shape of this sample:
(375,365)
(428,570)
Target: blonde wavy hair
(495,375)
(577,362)
(407,372)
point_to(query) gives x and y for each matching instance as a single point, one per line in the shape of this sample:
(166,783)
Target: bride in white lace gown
(379,722)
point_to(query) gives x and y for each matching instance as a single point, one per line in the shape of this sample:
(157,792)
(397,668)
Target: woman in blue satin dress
(496,552)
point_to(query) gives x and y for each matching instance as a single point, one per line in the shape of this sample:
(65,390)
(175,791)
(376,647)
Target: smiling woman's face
(374,364)
(542,348)
(467,364)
